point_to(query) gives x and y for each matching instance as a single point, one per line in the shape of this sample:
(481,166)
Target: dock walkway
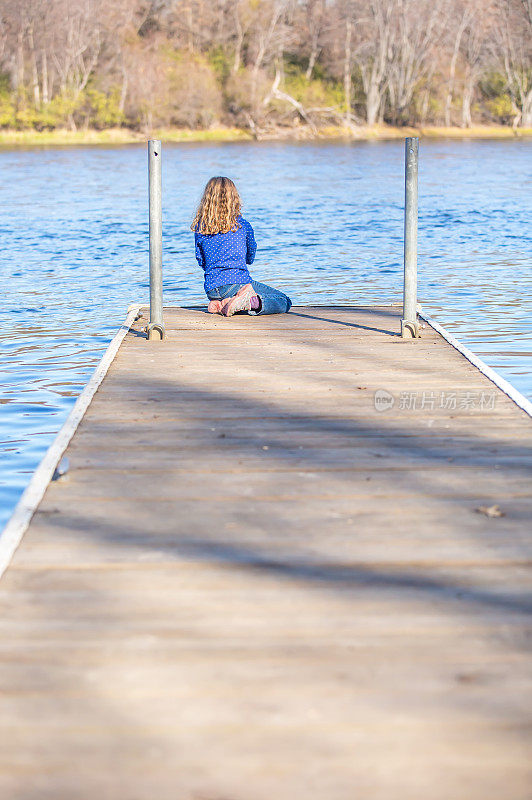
(290,559)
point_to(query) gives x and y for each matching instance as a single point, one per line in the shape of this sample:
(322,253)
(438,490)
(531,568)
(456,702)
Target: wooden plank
(227,486)
(252,584)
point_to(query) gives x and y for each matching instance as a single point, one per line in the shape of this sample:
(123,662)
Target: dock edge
(504,385)
(17,524)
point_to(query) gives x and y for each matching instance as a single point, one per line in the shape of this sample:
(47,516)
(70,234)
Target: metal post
(409,323)
(156,327)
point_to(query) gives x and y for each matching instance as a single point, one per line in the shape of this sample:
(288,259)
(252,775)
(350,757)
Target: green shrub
(315,93)
(60,111)
(7,111)
(497,101)
(221,63)
(493,85)
(5,84)
(102,109)
(501,108)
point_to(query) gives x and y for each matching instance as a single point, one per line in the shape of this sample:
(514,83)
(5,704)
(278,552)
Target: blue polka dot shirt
(224,256)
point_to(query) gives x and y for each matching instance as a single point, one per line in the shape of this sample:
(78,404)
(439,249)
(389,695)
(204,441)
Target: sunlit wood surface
(252,585)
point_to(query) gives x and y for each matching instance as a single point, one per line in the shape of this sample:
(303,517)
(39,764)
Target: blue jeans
(273,301)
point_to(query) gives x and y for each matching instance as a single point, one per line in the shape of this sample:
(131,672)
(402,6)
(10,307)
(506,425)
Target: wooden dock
(253,584)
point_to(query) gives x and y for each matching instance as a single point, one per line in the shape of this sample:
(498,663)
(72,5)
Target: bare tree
(512,42)
(461,11)
(77,39)
(316,16)
(415,31)
(267,30)
(374,32)
(242,19)
(348,66)
(474,49)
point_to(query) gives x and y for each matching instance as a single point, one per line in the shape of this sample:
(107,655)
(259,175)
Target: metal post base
(409,329)
(155,331)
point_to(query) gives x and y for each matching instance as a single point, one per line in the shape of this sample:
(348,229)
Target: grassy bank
(30,138)
(475,132)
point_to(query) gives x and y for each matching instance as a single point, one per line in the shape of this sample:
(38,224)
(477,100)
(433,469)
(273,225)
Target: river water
(328,221)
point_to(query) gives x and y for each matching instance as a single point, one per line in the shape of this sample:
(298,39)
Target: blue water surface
(328,219)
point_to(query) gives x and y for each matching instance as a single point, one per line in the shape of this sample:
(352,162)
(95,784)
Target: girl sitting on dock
(225,245)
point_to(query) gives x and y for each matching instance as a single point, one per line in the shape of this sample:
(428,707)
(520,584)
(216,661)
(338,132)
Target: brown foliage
(195,63)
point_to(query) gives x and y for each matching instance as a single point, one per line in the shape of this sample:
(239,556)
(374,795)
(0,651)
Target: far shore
(122,136)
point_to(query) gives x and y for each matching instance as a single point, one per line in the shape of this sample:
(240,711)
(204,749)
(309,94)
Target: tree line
(264,64)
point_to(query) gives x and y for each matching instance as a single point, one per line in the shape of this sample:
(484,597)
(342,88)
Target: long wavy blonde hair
(219,208)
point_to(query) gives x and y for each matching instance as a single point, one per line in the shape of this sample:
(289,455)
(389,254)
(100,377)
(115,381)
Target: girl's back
(224,256)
